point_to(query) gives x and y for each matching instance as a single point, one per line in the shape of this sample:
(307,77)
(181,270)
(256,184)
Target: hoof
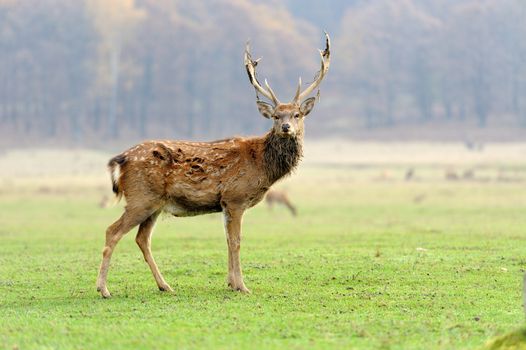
(243,290)
(166,288)
(239,288)
(104,292)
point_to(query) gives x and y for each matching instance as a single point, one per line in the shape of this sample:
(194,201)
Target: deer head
(288,117)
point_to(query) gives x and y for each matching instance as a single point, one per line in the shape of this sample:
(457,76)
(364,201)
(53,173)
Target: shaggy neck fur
(281,155)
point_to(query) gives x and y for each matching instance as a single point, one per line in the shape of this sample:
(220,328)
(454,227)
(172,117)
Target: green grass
(345,274)
(515,340)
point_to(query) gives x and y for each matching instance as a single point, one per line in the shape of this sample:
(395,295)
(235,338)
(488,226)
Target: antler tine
(250,65)
(325,56)
(274,98)
(298,91)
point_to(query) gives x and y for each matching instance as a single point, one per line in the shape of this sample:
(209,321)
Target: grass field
(372,261)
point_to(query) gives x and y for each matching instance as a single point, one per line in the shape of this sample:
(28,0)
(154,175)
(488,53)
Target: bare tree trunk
(97,111)
(114,71)
(422,86)
(481,97)
(146,94)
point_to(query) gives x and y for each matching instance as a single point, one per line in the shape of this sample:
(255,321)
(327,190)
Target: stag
(193,178)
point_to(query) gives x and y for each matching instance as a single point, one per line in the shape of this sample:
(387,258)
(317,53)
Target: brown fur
(198,176)
(281,156)
(195,178)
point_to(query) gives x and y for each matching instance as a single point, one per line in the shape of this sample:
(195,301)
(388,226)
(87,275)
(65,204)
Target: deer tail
(114,166)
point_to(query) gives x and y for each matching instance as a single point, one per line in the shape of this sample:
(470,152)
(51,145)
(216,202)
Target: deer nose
(285,127)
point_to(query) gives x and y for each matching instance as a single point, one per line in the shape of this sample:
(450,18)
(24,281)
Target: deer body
(195,178)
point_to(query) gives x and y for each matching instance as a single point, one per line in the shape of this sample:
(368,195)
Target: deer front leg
(233,237)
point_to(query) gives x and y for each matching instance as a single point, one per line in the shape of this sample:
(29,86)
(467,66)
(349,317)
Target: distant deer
(194,178)
(409,174)
(469,174)
(280,197)
(104,202)
(451,175)
(474,146)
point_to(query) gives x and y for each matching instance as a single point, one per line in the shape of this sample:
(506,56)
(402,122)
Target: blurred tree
(82,72)
(115,21)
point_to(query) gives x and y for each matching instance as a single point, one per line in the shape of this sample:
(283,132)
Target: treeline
(97,70)
(416,61)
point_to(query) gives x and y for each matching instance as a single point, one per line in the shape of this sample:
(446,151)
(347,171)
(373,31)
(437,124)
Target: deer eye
(297,115)
(275,117)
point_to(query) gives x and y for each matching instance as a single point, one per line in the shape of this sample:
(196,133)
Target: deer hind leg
(291,207)
(233,237)
(143,240)
(269,203)
(114,233)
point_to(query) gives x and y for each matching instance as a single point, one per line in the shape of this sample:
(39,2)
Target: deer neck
(281,155)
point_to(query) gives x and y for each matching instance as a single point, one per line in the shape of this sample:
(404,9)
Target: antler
(251,71)
(325,62)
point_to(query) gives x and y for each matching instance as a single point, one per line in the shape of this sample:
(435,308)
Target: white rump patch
(116,173)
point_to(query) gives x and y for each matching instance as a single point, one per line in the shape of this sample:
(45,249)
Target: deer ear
(265,109)
(307,105)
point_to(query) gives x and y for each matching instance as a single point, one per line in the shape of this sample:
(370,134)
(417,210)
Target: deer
(185,178)
(280,197)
